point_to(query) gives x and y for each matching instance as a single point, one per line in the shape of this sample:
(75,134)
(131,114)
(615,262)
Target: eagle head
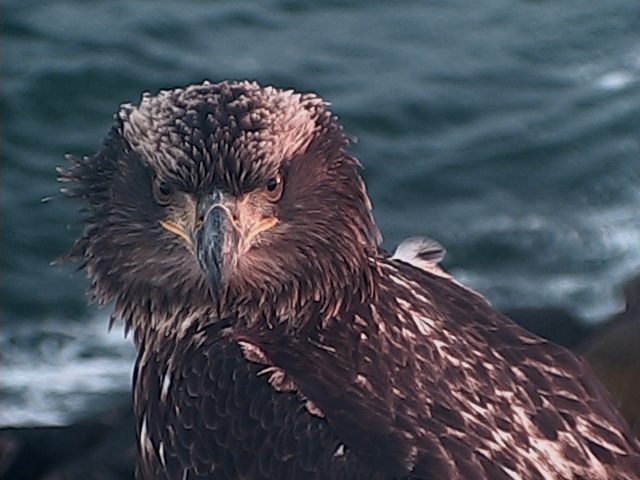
(222,194)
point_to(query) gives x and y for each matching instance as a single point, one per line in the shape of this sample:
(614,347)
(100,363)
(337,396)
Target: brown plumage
(276,339)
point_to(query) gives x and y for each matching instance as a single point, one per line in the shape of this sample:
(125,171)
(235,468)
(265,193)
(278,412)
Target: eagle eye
(162,192)
(273,189)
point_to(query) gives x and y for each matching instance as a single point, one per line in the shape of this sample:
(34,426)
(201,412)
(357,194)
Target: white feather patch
(422,252)
(253,353)
(166,383)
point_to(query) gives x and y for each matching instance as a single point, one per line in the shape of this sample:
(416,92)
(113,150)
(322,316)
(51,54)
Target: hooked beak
(217,238)
(220,229)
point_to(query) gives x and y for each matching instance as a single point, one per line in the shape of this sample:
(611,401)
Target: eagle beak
(216,238)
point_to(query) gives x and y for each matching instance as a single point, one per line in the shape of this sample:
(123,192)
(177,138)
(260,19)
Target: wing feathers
(440,388)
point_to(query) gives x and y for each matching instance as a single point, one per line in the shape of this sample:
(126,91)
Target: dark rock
(101,447)
(613,352)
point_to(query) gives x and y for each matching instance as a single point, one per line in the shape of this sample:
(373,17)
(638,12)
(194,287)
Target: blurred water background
(508,130)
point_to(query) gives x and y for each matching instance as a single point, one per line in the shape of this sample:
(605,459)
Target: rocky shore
(99,447)
(102,447)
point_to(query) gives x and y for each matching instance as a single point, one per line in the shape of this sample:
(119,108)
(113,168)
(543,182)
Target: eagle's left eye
(162,192)
(274,188)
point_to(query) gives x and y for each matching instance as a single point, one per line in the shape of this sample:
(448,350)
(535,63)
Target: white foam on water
(601,247)
(617,79)
(54,371)
(614,73)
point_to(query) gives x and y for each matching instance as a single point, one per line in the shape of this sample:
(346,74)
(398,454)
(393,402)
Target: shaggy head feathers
(231,137)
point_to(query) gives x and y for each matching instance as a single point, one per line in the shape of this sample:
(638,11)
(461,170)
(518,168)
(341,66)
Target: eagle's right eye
(162,192)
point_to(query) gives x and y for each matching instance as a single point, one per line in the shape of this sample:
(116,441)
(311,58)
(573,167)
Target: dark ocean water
(507,130)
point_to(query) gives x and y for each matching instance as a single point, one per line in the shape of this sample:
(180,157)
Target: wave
(54,371)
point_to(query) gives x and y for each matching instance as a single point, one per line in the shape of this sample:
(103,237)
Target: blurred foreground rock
(613,351)
(103,447)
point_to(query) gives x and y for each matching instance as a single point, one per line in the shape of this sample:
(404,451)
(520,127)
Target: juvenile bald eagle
(277,339)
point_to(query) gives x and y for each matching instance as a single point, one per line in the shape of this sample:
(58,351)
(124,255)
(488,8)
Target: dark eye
(272,184)
(162,192)
(274,188)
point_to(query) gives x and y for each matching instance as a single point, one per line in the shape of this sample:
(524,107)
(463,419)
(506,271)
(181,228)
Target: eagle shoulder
(428,381)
